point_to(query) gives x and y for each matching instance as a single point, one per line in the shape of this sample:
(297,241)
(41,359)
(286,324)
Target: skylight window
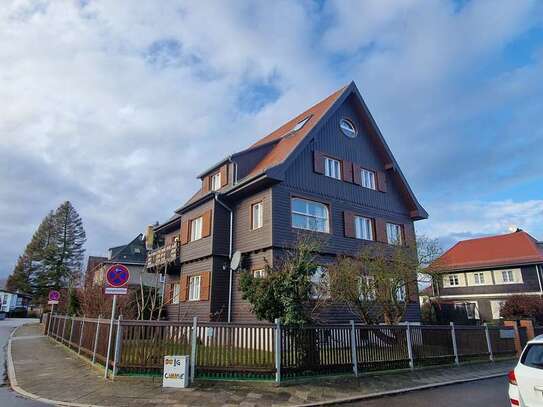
(301,124)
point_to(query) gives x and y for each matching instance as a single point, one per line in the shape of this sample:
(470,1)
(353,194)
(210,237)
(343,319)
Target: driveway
(8,397)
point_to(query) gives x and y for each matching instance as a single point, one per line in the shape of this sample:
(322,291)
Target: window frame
(454,278)
(316,284)
(480,276)
(259,218)
(192,295)
(336,173)
(260,273)
(308,215)
(508,280)
(176,293)
(359,228)
(199,221)
(215,181)
(399,229)
(373,174)
(345,132)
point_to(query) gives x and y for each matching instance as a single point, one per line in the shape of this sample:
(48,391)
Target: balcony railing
(163,255)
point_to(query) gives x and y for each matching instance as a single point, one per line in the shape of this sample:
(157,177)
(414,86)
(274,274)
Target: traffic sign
(117,275)
(54,295)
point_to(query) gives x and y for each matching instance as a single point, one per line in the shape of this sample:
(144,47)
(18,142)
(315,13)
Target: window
(332,168)
(216,181)
(309,215)
(196,229)
(454,280)
(533,356)
(319,284)
(175,293)
(194,288)
(301,124)
(368,178)
(496,308)
(469,307)
(347,128)
(401,293)
(363,228)
(508,276)
(394,233)
(257,215)
(259,273)
(367,288)
(479,278)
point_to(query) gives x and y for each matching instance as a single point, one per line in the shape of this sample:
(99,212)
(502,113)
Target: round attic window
(347,128)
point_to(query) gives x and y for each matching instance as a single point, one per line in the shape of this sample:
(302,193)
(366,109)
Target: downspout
(539,269)
(229,254)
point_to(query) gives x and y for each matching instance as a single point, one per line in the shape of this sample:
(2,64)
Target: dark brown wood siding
(202,247)
(245,238)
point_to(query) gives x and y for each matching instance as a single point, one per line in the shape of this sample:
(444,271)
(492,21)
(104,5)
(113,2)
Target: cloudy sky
(116,106)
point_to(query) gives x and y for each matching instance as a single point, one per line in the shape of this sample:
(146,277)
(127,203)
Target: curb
(16,388)
(399,391)
(14,385)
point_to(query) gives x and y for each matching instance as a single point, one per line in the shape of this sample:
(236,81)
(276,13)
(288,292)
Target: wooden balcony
(163,255)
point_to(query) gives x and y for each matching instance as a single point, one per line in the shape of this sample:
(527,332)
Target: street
(8,397)
(489,392)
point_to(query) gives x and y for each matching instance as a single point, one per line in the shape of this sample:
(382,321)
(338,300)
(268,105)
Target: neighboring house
(328,170)
(480,274)
(14,303)
(133,255)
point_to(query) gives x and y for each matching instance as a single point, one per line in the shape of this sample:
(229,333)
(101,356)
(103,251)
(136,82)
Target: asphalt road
(488,392)
(9,398)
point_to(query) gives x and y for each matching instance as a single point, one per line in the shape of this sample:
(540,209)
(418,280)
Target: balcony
(164,255)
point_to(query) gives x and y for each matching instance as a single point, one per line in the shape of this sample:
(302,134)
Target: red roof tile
(503,250)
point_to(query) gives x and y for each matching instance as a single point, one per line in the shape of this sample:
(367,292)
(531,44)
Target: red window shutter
(185,232)
(381,230)
(409,234)
(347,171)
(184,289)
(206,183)
(348,218)
(206,223)
(381,181)
(357,179)
(204,286)
(318,162)
(224,175)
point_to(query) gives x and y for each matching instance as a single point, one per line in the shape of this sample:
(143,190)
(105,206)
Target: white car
(526,381)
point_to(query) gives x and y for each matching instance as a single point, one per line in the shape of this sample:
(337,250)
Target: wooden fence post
(96,340)
(489,344)
(193,350)
(455,349)
(409,346)
(118,344)
(277,350)
(64,327)
(71,331)
(81,334)
(353,349)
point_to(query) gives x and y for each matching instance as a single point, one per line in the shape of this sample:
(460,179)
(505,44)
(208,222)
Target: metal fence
(275,351)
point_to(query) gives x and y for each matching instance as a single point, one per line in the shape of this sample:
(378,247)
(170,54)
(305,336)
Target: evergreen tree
(20,279)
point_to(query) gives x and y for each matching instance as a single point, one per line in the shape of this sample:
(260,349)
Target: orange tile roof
(503,250)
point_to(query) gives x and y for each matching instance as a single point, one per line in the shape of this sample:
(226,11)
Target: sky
(118,105)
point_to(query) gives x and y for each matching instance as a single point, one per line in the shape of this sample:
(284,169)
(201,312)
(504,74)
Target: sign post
(117,278)
(54,297)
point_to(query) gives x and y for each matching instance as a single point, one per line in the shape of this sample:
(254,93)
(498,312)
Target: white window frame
(500,304)
(257,215)
(479,278)
(260,273)
(397,229)
(370,282)
(454,280)
(196,226)
(508,273)
(194,288)
(216,181)
(176,293)
(401,293)
(311,217)
(332,168)
(363,228)
(317,286)
(367,178)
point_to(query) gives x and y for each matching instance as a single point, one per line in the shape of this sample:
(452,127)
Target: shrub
(523,306)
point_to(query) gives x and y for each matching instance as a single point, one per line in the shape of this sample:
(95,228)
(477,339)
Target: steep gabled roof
(512,249)
(286,143)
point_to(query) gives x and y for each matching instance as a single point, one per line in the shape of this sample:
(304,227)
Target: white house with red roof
(480,274)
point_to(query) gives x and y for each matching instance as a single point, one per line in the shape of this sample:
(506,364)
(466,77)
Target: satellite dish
(236,260)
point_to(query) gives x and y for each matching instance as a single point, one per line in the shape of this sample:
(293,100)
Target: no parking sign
(117,277)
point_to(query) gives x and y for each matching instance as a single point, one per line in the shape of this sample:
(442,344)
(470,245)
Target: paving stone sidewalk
(47,369)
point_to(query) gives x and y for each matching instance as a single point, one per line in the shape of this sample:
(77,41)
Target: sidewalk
(48,370)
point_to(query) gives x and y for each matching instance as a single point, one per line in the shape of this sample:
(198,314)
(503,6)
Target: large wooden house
(328,170)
